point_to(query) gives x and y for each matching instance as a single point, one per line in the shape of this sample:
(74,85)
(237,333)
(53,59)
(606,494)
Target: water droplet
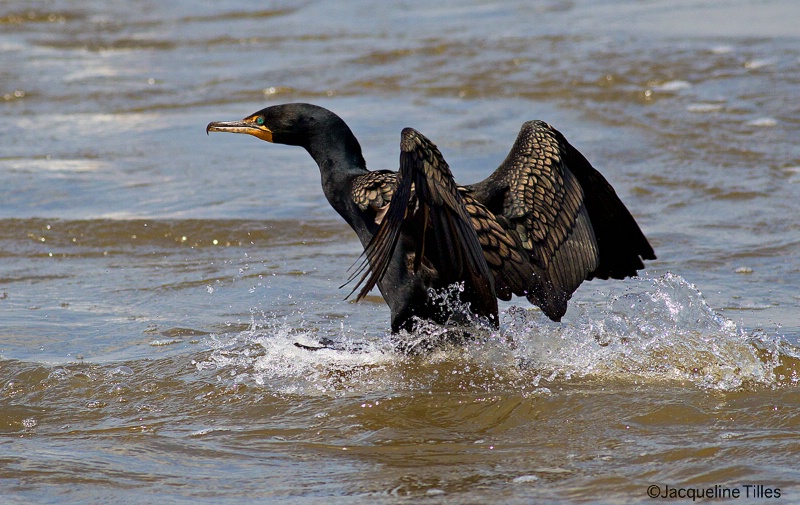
(119,389)
(121,370)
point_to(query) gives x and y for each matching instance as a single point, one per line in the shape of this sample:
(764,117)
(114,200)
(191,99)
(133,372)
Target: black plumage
(538,226)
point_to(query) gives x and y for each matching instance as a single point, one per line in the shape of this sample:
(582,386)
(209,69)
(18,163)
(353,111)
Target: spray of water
(662,329)
(658,330)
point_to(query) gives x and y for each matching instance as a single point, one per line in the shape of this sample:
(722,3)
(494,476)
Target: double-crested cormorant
(538,226)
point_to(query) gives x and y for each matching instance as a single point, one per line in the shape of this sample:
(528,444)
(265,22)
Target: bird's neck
(340,160)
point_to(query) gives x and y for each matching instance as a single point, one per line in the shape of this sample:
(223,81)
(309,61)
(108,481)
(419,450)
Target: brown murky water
(153,280)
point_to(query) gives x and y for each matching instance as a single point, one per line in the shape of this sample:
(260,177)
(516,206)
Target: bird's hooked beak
(249,125)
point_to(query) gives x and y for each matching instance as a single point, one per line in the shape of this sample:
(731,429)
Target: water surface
(153,280)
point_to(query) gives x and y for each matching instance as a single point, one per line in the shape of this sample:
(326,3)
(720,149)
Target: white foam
(763,122)
(704,107)
(672,86)
(657,330)
(760,63)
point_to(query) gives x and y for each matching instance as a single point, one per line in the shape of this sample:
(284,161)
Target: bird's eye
(260,120)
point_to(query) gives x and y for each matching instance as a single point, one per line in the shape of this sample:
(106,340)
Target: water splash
(268,355)
(662,329)
(658,330)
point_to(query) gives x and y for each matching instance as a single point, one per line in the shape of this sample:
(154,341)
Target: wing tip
(536,125)
(408,139)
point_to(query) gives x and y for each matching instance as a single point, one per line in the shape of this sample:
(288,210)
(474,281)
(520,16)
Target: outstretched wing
(622,245)
(567,218)
(428,209)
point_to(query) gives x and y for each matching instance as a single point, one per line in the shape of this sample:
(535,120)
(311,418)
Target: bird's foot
(324,343)
(343,345)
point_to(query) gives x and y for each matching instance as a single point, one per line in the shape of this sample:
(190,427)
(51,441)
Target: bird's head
(291,123)
(325,136)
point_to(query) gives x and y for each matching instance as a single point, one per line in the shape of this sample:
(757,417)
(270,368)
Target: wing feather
(428,205)
(567,218)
